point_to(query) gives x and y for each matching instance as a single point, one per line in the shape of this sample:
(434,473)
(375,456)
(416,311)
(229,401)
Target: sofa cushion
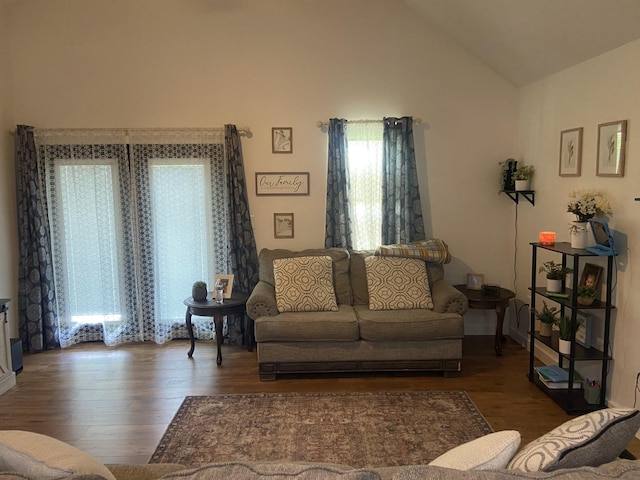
(339,256)
(273,471)
(304,284)
(591,439)
(397,283)
(339,326)
(408,325)
(39,456)
(490,452)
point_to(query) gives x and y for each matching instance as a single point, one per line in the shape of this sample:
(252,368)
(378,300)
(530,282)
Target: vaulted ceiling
(526,40)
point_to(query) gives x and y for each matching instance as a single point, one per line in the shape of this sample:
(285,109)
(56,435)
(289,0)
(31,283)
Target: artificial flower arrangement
(586,204)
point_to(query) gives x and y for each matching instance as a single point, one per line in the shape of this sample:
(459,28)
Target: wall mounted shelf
(529,195)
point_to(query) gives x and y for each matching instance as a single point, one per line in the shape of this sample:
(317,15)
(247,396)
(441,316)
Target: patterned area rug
(358,429)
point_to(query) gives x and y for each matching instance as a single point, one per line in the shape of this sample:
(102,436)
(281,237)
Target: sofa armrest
(447,298)
(262,301)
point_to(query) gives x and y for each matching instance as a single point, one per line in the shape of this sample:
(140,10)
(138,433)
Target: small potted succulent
(586,294)
(199,291)
(522,176)
(556,275)
(566,332)
(548,318)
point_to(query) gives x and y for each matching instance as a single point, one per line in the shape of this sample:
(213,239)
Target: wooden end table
(498,302)
(210,308)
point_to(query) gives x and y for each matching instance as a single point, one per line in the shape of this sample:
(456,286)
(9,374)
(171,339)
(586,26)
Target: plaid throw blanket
(432,250)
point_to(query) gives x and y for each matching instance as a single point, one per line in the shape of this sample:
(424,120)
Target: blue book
(553,373)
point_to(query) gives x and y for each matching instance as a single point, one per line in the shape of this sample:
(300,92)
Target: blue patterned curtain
(338,222)
(401,208)
(36,289)
(242,244)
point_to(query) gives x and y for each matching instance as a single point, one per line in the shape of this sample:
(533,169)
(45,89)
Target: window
(364,152)
(133,226)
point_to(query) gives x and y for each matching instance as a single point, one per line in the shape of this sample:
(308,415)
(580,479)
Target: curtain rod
(241,130)
(321,124)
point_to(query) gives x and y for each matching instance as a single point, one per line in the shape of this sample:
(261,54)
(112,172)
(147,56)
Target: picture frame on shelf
(475,281)
(283,225)
(570,152)
(227,284)
(591,275)
(583,333)
(282,140)
(612,139)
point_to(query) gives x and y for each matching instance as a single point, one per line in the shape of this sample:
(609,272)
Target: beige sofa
(583,448)
(355,338)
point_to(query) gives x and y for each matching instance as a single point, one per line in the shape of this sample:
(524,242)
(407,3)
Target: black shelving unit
(572,400)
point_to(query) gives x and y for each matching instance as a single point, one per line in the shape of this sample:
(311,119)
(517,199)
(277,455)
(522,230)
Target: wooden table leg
(190,330)
(500,311)
(217,322)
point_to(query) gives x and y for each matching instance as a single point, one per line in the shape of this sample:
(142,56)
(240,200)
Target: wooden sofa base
(269,371)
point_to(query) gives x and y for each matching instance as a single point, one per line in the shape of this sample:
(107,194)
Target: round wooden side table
(210,308)
(498,302)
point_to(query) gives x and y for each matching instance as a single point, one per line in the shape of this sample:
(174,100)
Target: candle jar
(547,238)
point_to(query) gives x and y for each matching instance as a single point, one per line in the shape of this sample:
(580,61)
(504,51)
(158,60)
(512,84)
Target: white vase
(522,185)
(554,286)
(579,234)
(564,346)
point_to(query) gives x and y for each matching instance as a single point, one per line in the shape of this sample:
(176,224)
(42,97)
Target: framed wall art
(227,284)
(612,138)
(570,152)
(283,225)
(280,183)
(475,281)
(282,140)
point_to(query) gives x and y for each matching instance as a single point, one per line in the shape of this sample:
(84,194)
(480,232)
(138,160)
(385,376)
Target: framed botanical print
(612,138)
(282,140)
(283,225)
(570,152)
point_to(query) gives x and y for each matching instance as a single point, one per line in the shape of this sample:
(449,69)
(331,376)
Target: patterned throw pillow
(589,440)
(396,283)
(490,452)
(304,284)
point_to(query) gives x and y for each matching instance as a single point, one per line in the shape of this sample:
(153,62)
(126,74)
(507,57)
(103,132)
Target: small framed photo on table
(227,284)
(475,281)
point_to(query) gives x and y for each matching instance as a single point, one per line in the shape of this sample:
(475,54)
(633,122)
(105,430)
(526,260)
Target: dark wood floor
(115,403)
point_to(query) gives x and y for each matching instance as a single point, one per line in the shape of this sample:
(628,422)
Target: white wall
(265,63)
(603,89)
(8,233)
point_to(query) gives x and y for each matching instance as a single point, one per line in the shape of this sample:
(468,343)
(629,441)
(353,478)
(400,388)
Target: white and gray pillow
(589,440)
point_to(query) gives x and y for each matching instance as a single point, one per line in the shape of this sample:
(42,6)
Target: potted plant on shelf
(507,171)
(199,291)
(556,274)
(586,294)
(566,332)
(547,317)
(522,176)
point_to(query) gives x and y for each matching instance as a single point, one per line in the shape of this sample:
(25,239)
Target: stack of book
(555,378)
